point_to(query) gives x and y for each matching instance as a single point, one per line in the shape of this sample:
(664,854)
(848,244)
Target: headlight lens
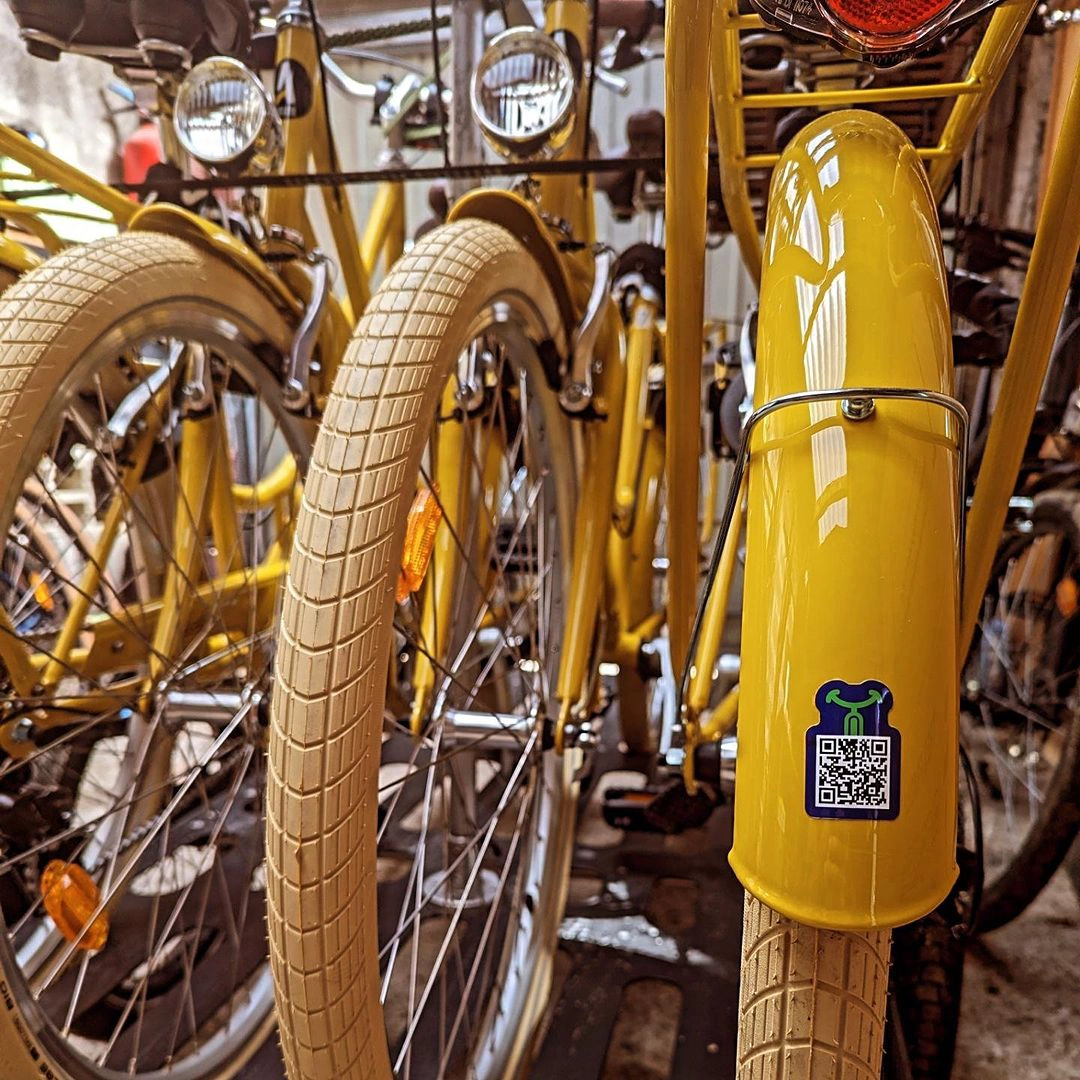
(523,94)
(223,115)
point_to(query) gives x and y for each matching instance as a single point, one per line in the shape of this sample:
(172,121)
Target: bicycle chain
(125,843)
(365,35)
(1057,19)
(403,174)
(128,840)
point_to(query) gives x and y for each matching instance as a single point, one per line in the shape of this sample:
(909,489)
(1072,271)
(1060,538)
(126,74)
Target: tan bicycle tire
(50,318)
(812,1002)
(332,653)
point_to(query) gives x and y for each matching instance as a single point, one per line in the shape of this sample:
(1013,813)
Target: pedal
(668,808)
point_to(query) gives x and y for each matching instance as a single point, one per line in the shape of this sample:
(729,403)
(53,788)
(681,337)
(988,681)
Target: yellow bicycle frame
(92,644)
(567,200)
(14,256)
(821,483)
(307,145)
(48,167)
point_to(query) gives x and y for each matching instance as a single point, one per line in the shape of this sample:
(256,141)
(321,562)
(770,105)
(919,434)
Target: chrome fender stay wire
(858,398)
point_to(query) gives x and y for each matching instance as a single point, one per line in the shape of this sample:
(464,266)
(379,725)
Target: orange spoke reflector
(1067,595)
(41,592)
(420,529)
(71,897)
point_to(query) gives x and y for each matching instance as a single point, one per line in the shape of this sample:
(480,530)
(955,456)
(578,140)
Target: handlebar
(350,87)
(615,83)
(636,17)
(633,21)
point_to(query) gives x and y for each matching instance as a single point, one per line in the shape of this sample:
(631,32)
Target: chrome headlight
(523,94)
(224,116)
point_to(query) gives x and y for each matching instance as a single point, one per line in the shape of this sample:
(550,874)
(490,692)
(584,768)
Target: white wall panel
(728,287)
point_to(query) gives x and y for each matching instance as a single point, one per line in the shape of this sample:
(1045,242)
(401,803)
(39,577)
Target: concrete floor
(622,1014)
(645,987)
(1021,1001)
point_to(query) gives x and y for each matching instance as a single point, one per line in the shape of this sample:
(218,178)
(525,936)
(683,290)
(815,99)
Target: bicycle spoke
(454,920)
(95,529)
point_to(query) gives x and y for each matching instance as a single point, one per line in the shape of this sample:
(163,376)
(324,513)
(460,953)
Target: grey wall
(62,100)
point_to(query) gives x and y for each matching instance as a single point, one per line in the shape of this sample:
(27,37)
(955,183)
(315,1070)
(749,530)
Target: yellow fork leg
(719,722)
(223,521)
(640,339)
(592,526)
(437,595)
(630,573)
(394,245)
(630,558)
(708,511)
(632,540)
(689,25)
(91,579)
(712,628)
(1057,239)
(195,478)
(385,212)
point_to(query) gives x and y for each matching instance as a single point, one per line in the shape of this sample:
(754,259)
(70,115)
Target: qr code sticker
(853,772)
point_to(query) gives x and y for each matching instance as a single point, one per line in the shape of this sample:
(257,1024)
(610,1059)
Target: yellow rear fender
(208,235)
(845,808)
(290,290)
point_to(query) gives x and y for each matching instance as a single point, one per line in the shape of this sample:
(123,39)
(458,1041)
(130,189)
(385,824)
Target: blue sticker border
(853,709)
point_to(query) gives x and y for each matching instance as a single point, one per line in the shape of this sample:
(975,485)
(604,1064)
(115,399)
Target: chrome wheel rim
(1021,690)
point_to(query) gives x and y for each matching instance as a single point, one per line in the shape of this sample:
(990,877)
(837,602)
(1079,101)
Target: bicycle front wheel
(150,476)
(812,1002)
(420,826)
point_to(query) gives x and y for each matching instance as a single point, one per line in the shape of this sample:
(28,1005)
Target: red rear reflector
(887,16)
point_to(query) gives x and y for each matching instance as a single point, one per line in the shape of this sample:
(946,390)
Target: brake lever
(624,51)
(610,81)
(517,13)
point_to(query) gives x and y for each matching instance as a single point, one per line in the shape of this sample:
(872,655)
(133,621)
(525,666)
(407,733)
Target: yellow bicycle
(845,813)
(480,520)
(26,163)
(161,392)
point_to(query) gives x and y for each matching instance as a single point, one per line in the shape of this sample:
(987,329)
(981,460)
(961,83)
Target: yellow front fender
(845,809)
(520,217)
(290,291)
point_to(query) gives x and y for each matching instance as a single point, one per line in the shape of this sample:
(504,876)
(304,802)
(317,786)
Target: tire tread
(332,651)
(812,1002)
